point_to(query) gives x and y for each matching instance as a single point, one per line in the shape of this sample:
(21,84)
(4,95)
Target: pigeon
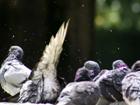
(87,72)
(109,82)
(136,66)
(13,73)
(131,85)
(44,87)
(81,92)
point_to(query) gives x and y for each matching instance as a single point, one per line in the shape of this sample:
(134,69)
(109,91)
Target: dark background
(98,30)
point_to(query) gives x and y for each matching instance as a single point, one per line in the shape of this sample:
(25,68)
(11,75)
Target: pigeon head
(87,72)
(82,75)
(16,51)
(92,65)
(136,66)
(118,64)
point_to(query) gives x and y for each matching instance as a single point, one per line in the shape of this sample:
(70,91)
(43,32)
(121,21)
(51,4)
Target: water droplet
(54,2)
(13,36)
(110,30)
(25,31)
(82,5)
(78,50)
(45,42)
(5,24)
(10,29)
(25,40)
(96,52)
(99,61)
(118,48)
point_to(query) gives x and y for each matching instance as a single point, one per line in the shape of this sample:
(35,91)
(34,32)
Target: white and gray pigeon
(44,86)
(13,73)
(131,85)
(80,92)
(87,72)
(109,81)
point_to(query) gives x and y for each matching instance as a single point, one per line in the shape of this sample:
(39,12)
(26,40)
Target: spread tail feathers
(53,50)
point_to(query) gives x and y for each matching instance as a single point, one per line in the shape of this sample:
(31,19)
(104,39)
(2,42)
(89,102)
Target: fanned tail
(53,50)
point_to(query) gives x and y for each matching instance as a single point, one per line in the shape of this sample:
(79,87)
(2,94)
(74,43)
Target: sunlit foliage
(118,14)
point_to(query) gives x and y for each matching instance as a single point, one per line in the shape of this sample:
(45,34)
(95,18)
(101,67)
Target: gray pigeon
(119,64)
(82,91)
(136,66)
(44,86)
(79,93)
(109,81)
(87,72)
(131,85)
(13,72)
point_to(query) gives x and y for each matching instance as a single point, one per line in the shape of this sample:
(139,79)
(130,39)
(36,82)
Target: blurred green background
(100,30)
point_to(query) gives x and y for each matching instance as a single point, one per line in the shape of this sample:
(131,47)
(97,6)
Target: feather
(44,81)
(53,50)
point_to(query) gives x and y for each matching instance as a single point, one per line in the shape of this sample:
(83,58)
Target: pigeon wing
(31,91)
(53,49)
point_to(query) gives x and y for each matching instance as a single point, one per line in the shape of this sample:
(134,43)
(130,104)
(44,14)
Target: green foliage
(118,14)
